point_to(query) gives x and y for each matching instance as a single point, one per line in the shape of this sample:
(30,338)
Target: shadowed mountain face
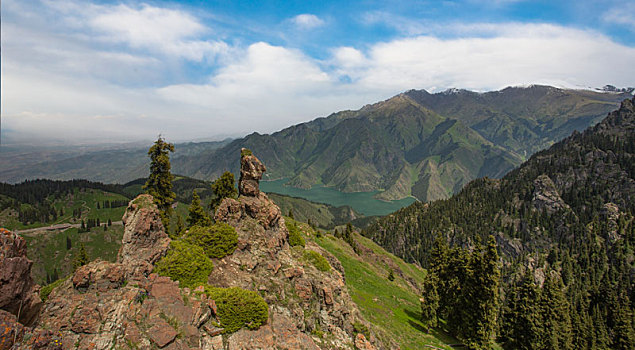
(420,144)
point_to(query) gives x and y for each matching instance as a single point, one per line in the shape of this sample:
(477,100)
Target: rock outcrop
(303,301)
(546,196)
(251,170)
(106,305)
(144,240)
(19,295)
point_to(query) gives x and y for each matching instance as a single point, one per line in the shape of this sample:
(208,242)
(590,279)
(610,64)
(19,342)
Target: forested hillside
(563,222)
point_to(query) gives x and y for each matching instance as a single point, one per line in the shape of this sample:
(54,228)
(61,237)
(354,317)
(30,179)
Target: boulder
(19,295)
(144,240)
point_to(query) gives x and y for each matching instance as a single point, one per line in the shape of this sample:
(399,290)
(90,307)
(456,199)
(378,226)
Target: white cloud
(169,31)
(307,21)
(621,15)
(77,69)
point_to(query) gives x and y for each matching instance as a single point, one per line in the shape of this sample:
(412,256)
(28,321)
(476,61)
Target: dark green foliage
(186,263)
(46,290)
(196,214)
(590,250)
(295,236)
(223,187)
(430,301)
(69,243)
(238,308)
(159,183)
(245,152)
(317,260)
(391,275)
(82,257)
(359,327)
(217,240)
(467,284)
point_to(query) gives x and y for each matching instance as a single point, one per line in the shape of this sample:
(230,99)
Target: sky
(112,71)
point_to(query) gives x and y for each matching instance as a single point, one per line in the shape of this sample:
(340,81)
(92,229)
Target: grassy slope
(86,199)
(392,307)
(48,250)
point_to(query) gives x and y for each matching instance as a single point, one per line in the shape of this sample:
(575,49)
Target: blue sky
(210,69)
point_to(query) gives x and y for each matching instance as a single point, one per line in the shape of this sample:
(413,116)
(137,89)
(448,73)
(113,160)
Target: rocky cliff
(124,305)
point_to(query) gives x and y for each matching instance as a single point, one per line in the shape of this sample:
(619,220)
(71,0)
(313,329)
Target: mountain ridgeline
(567,212)
(420,144)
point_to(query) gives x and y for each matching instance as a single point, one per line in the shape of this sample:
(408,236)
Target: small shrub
(245,152)
(317,260)
(238,308)
(218,240)
(391,275)
(295,236)
(359,327)
(185,263)
(47,289)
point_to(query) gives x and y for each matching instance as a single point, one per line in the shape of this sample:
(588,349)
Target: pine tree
(483,295)
(624,333)
(69,244)
(556,321)
(291,214)
(159,183)
(82,257)
(179,225)
(430,301)
(223,187)
(196,215)
(523,324)
(109,222)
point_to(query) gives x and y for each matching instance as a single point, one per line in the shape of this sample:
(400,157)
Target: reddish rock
(292,272)
(304,289)
(362,344)
(144,240)
(86,320)
(328,295)
(162,333)
(164,289)
(251,170)
(212,330)
(18,293)
(11,330)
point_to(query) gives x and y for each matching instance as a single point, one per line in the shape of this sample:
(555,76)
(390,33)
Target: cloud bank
(109,72)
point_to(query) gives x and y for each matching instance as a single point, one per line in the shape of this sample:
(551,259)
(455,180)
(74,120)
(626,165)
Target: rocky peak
(251,170)
(144,240)
(19,295)
(546,195)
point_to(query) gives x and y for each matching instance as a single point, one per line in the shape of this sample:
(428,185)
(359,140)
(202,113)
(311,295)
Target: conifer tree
(223,187)
(69,244)
(82,257)
(196,215)
(159,183)
(430,301)
(556,322)
(523,326)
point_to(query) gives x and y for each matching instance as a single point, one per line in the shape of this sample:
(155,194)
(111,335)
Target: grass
(392,307)
(48,250)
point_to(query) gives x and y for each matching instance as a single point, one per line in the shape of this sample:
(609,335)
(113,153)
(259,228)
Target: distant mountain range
(414,144)
(417,143)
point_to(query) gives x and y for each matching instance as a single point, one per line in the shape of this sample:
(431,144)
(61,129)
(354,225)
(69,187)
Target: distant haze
(82,72)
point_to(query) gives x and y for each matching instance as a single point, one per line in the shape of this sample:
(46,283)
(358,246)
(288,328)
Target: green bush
(295,236)
(238,308)
(47,289)
(218,240)
(245,152)
(185,263)
(317,260)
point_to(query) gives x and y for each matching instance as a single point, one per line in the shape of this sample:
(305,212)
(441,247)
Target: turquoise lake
(362,202)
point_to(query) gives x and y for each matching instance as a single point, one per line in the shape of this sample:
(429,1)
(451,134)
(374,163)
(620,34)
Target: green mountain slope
(416,143)
(568,211)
